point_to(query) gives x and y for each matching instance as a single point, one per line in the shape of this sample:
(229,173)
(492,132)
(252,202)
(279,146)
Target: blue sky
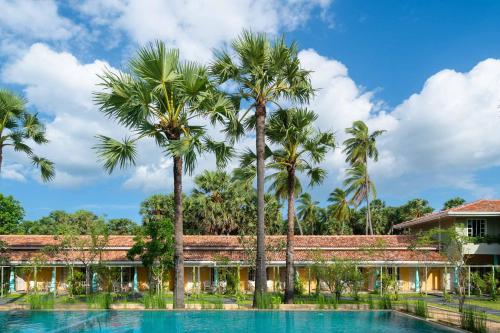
(426,71)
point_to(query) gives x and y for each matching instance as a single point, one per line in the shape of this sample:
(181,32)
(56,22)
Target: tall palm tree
(340,208)
(360,147)
(299,148)
(159,96)
(263,72)
(308,211)
(17,126)
(358,183)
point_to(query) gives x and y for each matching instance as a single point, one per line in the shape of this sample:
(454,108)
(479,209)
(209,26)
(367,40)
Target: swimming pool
(212,321)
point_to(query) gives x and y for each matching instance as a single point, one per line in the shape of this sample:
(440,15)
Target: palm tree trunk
(178,237)
(290,271)
(298,224)
(260,263)
(1,159)
(369,227)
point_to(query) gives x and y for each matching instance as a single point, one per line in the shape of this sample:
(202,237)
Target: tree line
(218,206)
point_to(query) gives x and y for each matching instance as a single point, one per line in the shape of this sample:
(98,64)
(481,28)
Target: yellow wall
(404,276)
(243,278)
(434,279)
(142,278)
(304,277)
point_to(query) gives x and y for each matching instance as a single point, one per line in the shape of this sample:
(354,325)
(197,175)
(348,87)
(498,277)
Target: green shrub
(385,302)
(267,301)
(406,305)
(371,305)
(447,297)
(298,285)
(218,303)
(154,301)
(100,301)
(421,309)
(491,285)
(332,302)
(473,320)
(39,301)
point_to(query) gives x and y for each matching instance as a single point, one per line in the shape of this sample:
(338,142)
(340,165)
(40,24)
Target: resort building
(478,220)
(205,256)
(30,260)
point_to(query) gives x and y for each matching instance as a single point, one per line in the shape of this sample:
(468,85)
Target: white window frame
(478,226)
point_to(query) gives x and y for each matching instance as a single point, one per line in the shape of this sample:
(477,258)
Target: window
(476,228)
(251,274)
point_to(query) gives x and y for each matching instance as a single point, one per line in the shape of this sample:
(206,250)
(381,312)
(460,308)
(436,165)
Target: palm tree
(340,208)
(359,148)
(158,97)
(17,126)
(300,147)
(308,211)
(358,183)
(263,73)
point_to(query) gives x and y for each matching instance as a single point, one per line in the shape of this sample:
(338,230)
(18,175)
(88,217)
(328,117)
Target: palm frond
(114,153)
(47,169)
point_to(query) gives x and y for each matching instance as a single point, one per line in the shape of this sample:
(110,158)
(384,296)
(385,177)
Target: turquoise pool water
(212,321)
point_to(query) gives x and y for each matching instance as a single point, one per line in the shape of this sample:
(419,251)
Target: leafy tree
(11,215)
(155,247)
(339,275)
(122,226)
(340,209)
(453,202)
(161,97)
(359,148)
(18,127)
(415,208)
(381,216)
(263,72)
(454,248)
(81,238)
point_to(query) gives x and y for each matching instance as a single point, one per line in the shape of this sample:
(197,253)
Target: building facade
(415,268)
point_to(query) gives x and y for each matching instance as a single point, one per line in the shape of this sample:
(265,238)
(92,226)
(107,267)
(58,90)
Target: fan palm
(359,184)
(263,72)
(17,126)
(300,148)
(340,208)
(358,149)
(160,97)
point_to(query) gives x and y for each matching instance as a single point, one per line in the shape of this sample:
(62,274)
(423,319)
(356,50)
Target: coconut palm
(307,212)
(340,208)
(360,147)
(359,184)
(18,127)
(262,72)
(160,97)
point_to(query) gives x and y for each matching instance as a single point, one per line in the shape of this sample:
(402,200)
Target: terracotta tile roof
(234,248)
(487,207)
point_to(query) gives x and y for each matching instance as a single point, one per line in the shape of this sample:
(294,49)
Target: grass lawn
(494,305)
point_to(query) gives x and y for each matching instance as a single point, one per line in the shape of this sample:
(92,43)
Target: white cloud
(152,177)
(196,27)
(13,172)
(60,87)
(35,20)
(438,138)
